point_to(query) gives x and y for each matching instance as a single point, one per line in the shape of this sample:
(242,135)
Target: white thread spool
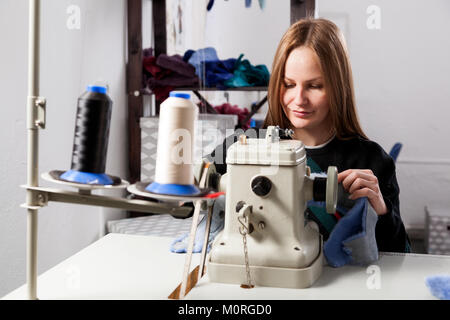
(174,161)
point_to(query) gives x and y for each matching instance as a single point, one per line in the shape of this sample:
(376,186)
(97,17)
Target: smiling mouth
(301,114)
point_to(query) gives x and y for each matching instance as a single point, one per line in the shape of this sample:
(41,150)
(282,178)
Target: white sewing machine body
(268,181)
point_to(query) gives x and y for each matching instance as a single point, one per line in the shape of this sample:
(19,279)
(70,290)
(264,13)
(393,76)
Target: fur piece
(439,286)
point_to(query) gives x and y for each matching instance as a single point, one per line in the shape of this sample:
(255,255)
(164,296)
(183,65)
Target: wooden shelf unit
(299,9)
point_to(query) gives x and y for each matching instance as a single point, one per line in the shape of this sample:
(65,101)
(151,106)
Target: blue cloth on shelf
(247,75)
(200,57)
(352,240)
(217,72)
(187,55)
(439,286)
(180,244)
(229,73)
(211,71)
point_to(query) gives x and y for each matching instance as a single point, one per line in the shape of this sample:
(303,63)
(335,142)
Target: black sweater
(356,153)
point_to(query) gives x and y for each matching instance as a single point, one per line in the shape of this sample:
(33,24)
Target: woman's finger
(361,183)
(344,174)
(375,199)
(348,181)
(364,192)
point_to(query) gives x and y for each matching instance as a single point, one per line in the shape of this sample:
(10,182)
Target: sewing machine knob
(261,186)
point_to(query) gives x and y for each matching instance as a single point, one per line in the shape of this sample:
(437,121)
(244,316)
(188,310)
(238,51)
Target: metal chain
(249,284)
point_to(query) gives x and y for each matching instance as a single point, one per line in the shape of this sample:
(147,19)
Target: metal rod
(198,204)
(209,107)
(201,271)
(32,156)
(187,264)
(50,194)
(253,111)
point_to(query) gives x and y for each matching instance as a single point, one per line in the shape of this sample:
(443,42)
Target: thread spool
(174,162)
(91,137)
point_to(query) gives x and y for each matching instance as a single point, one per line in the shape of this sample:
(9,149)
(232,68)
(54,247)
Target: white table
(122,266)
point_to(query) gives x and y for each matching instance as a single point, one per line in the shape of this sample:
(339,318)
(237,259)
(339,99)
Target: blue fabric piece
(247,75)
(180,244)
(217,72)
(229,73)
(229,64)
(216,80)
(363,247)
(395,151)
(201,56)
(439,286)
(248,3)
(352,240)
(187,55)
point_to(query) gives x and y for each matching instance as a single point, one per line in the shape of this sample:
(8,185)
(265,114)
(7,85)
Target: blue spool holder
(99,89)
(173,189)
(86,177)
(176,94)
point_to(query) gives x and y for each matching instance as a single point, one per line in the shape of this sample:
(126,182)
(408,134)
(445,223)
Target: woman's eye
(289,85)
(316,86)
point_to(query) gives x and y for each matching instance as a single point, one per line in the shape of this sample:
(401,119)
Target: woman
(311,92)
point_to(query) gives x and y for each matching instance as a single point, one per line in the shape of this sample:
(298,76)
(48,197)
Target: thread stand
(38,197)
(84,197)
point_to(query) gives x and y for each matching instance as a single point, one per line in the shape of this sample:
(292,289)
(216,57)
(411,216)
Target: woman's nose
(300,97)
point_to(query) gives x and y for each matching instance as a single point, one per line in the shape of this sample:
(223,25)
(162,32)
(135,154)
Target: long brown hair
(325,39)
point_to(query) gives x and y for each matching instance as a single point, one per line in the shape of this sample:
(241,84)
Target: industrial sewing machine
(266,240)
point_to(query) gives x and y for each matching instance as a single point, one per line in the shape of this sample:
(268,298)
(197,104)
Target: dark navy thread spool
(91,137)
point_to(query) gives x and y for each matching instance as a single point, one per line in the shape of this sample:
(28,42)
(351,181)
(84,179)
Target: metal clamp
(39,200)
(40,104)
(37,116)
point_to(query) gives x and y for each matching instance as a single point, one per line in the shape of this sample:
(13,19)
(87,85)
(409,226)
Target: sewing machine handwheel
(331,190)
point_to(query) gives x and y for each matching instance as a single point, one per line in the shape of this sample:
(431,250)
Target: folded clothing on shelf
(200,68)
(164,73)
(229,73)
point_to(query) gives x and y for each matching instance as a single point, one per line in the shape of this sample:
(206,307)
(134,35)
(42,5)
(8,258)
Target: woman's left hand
(363,183)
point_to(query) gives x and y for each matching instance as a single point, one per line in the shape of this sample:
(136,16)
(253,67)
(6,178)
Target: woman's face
(303,94)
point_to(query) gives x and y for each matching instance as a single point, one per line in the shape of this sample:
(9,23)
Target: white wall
(401,73)
(70,60)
